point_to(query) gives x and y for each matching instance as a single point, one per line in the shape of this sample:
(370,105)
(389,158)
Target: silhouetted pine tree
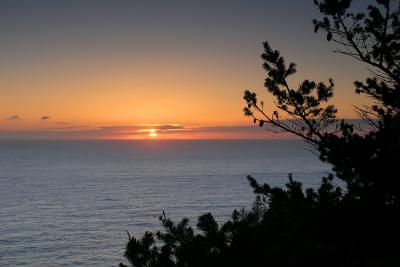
(292,226)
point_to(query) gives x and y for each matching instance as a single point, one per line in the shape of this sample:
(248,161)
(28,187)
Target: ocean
(71,203)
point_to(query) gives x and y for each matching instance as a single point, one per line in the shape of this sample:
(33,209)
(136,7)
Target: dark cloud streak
(13,118)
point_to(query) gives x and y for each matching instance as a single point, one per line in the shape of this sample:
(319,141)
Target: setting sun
(153,133)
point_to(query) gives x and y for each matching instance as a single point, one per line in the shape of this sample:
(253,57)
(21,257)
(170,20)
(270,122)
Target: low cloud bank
(64,130)
(167,131)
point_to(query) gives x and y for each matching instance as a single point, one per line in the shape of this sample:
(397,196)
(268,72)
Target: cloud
(43,118)
(60,122)
(227,132)
(134,129)
(168,127)
(66,130)
(69,127)
(13,118)
(63,130)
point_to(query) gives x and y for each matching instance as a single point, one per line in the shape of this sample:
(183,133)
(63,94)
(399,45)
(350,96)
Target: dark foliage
(328,226)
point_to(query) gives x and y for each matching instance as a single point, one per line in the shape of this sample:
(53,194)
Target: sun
(153,133)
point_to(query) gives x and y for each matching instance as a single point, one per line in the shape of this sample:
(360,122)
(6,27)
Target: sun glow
(153,133)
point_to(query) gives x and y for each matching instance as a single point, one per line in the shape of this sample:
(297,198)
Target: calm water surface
(70,203)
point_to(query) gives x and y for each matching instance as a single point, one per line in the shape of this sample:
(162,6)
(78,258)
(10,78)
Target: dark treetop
(327,226)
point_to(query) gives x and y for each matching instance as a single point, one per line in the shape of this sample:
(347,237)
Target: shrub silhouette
(327,226)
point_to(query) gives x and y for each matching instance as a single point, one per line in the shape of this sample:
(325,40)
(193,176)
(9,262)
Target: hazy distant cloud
(181,131)
(167,127)
(60,122)
(43,118)
(228,132)
(13,118)
(135,129)
(65,130)
(70,127)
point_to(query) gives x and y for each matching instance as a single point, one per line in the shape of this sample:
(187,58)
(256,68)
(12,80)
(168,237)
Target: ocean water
(70,203)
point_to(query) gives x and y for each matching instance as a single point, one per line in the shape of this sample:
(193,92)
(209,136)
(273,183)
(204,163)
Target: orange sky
(97,72)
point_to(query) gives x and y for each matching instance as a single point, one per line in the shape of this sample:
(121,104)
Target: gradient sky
(115,69)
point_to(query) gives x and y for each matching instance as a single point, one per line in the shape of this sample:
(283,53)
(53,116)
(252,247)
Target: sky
(126,69)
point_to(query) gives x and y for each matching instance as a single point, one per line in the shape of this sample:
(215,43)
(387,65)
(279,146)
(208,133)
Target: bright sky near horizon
(118,69)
